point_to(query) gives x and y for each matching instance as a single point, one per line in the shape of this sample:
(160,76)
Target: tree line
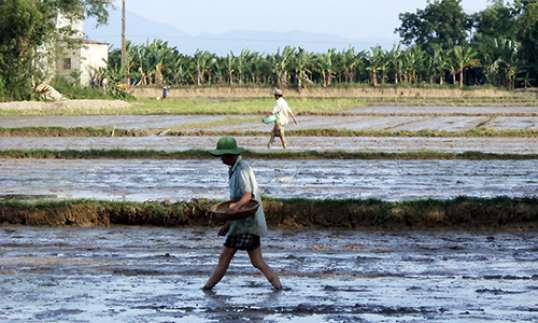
(440,44)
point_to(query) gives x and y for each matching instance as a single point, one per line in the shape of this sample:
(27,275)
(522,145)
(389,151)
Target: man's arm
(244,200)
(266,116)
(274,110)
(224,229)
(293,117)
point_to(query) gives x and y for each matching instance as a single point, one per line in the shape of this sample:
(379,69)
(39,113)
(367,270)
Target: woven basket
(219,210)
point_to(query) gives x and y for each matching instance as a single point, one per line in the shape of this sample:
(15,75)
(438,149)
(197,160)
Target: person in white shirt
(282,111)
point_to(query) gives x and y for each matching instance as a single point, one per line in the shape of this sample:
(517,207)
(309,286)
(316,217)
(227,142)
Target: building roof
(87,41)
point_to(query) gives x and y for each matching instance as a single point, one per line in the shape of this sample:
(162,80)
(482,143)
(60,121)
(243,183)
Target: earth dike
(462,213)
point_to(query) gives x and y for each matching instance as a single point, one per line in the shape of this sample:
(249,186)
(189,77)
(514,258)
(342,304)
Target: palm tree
(463,56)
(509,58)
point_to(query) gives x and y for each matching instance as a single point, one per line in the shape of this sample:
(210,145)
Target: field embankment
(237,92)
(463,213)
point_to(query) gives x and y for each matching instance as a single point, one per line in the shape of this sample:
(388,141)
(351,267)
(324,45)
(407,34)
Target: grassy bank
(294,155)
(462,213)
(183,130)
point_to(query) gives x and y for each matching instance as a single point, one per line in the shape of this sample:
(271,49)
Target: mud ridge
(462,213)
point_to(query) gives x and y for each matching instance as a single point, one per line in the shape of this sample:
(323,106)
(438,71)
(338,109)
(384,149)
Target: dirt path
(155,275)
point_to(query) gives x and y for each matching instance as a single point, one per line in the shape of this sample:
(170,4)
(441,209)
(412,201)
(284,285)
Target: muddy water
(259,143)
(143,180)
(392,119)
(120,121)
(154,275)
(491,110)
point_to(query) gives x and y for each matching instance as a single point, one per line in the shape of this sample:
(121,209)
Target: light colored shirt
(282,110)
(242,180)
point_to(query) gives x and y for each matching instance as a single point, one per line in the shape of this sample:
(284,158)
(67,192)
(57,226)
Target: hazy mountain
(140,30)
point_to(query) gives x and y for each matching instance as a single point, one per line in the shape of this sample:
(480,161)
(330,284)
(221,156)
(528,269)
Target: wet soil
(457,145)
(183,180)
(144,274)
(195,123)
(134,274)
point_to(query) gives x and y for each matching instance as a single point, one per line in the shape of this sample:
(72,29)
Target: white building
(82,62)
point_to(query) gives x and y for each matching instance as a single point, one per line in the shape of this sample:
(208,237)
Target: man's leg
(219,272)
(281,135)
(273,134)
(257,261)
(283,141)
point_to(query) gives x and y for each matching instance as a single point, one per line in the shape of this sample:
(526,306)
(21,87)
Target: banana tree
(413,59)
(261,68)
(228,65)
(160,57)
(281,64)
(203,61)
(303,70)
(396,61)
(350,62)
(436,64)
(184,70)
(324,65)
(242,64)
(374,63)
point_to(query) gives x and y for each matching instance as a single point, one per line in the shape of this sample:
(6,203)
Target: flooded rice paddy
(155,275)
(183,180)
(135,274)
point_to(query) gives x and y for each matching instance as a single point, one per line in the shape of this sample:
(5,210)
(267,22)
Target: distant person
(243,234)
(282,111)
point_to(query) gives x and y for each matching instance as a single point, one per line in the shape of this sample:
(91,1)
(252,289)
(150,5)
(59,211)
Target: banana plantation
(156,63)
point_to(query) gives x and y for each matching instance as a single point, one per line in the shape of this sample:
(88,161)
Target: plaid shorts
(243,241)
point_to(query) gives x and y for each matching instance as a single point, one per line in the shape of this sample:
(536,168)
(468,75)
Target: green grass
(302,155)
(245,106)
(316,106)
(461,213)
(476,132)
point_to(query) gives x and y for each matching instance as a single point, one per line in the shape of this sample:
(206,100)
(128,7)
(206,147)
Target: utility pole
(123,46)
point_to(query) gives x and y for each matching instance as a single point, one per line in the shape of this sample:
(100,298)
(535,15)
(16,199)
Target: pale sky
(354,19)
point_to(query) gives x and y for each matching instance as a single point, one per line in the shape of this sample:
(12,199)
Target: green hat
(227,145)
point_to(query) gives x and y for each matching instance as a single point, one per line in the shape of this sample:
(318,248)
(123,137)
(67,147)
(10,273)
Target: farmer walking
(243,234)
(282,111)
